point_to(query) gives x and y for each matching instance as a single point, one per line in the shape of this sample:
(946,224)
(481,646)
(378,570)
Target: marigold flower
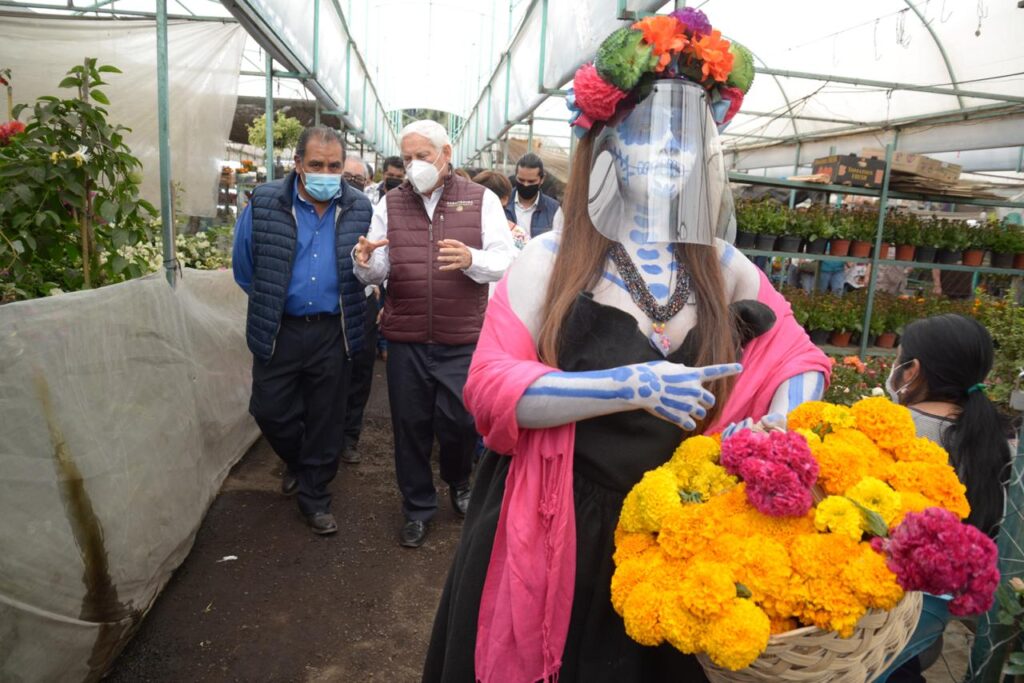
(878,496)
(640,614)
(682,628)
(738,636)
(920,449)
(707,588)
(665,36)
(889,425)
(911,502)
(806,415)
(935,482)
(838,514)
(631,544)
(657,495)
(686,531)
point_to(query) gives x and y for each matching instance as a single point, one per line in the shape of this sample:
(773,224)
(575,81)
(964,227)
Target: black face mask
(527,191)
(391,183)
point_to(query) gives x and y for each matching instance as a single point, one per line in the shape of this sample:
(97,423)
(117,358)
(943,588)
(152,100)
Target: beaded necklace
(645,301)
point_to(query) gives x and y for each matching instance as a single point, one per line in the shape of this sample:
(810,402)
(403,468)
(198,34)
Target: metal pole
(543,44)
(874,257)
(268,114)
(316,37)
(163,122)
(529,138)
(316,113)
(796,170)
(504,155)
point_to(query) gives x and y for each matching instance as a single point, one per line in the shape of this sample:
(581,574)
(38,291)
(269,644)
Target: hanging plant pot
(1018,261)
(925,254)
(766,242)
(1002,260)
(745,240)
(788,243)
(820,337)
(905,252)
(840,247)
(817,246)
(840,338)
(860,249)
(973,257)
(947,257)
(886,340)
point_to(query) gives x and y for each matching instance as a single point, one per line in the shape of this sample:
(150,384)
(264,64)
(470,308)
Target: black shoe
(413,533)
(322,523)
(289,483)
(460,498)
(350,456)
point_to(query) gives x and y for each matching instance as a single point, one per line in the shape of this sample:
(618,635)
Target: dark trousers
(361,377)
(298,400)
(425,390)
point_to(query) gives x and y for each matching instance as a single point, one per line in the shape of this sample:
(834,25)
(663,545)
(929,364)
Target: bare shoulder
(528,276)
(742,277)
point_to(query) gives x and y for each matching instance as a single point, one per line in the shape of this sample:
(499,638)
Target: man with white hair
(439,240)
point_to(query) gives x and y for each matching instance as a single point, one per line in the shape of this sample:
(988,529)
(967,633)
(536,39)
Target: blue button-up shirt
(314,284)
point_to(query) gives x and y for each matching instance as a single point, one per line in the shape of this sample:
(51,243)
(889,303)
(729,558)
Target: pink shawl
(528,592)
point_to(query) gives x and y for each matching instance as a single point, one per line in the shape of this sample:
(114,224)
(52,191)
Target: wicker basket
(812,655)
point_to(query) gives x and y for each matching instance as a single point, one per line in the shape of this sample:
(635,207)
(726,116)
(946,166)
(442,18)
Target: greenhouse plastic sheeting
(203,64)
(121,411)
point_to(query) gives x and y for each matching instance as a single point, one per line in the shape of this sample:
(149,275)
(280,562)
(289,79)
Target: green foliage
(762,218)
(69,193)
(901,228)
(853,379)
(286,131)
(1003,238)
(953,235)
(1005,322)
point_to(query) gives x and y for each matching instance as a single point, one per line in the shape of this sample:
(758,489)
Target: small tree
(286,131)
(69,193)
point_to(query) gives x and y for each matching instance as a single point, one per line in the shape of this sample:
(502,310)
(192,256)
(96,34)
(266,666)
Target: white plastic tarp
(203,64)
(121,411)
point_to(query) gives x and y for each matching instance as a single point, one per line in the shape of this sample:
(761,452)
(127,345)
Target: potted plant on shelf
(772,221)
(793,231)
(863,228)
(820,322)
(975,238)
(842,227)
(746,224)
(820,228)
(905,233)
(930,235)
(1005,241)
(952,240)
(846,319)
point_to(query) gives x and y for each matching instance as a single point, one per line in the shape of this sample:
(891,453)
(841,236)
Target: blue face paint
(652,269)
(647,254)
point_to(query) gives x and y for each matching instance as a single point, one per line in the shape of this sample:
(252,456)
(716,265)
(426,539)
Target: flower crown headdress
(677,45)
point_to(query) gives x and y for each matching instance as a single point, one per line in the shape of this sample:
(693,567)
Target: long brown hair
(581,261)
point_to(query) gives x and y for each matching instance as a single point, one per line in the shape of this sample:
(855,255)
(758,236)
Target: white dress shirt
(524,216)
(489,263)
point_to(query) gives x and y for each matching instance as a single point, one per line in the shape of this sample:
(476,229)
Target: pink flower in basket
(777,467)
(933,551)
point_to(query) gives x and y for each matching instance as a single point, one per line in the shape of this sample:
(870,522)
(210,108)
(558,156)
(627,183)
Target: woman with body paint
(604,347)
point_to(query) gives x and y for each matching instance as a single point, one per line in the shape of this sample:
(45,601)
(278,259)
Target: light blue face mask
(322,186)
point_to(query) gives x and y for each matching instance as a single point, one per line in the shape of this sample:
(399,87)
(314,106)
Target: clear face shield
(659,175)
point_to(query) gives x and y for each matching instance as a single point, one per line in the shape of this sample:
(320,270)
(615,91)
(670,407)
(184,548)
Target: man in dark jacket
(531,209)
(438,239)
(306,311)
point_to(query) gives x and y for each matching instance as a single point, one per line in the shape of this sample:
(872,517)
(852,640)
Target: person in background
(952,283)
(499,185)
(438,239)
(360,380)
(394,174)
(305,317)
(529,207)
(355,172)
(939,373)
(832,277)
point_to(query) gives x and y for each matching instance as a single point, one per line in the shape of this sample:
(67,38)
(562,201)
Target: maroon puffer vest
(425,305)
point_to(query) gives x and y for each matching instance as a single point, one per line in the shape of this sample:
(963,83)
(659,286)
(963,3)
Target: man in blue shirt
(306,312)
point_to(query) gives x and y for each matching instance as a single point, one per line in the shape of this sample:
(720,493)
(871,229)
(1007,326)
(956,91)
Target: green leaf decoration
(742,591)
(624,57)
(872,520)
(742,74)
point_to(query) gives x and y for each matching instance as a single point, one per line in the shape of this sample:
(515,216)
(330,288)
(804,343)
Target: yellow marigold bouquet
(732,541)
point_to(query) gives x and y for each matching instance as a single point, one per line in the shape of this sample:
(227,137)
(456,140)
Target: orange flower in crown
(665,36)
(713,51)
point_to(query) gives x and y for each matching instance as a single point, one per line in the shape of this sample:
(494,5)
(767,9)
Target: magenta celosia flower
(775,489)
(933,551)
(695,21)
(791,449)
(742,445)
(595,97)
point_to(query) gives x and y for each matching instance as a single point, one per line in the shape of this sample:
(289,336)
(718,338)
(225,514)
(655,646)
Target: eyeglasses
(351,178)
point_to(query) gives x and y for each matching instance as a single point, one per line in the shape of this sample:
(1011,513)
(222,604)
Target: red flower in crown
(595,97)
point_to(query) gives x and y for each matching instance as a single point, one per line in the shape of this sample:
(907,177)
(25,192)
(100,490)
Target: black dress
(611,455)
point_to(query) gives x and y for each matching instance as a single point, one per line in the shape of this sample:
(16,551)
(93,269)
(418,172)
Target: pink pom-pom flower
(933,551)
(735,99)
(595,97)
(777,467)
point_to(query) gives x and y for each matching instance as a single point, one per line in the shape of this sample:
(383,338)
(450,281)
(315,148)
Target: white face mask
(894,393)
(422,174)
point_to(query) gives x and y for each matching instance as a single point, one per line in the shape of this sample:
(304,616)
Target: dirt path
(293,606)
(296,607)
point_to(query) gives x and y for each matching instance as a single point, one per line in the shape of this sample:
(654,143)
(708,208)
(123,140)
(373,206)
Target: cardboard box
(918,164)
(850,169)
